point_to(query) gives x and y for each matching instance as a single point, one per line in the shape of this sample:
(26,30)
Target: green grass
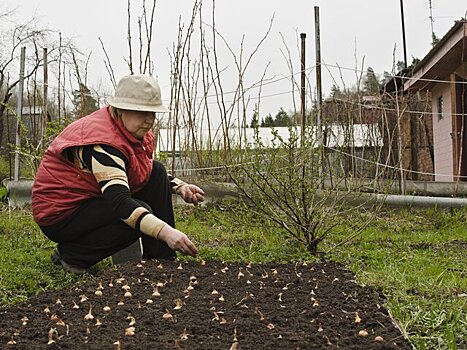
(416,258)
(231,234)
(2,194)
(25,265)
(4,168)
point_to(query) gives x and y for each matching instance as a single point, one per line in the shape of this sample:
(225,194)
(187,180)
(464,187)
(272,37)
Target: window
(439,107)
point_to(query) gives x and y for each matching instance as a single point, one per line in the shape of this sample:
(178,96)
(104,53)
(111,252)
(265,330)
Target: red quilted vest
(60,187)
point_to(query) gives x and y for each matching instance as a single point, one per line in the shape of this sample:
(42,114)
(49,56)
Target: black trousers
(94,232)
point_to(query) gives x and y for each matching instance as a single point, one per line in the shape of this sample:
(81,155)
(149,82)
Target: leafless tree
(62,56)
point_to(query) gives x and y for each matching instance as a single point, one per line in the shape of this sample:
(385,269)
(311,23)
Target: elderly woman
(98,189)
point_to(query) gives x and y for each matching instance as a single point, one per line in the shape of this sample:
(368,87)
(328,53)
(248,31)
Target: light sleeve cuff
(151,225)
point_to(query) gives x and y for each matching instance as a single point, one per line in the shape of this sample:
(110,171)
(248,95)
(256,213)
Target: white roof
(357,135)
(31,110)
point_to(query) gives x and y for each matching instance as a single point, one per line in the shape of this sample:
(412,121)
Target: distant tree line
(282,118)
(371,85)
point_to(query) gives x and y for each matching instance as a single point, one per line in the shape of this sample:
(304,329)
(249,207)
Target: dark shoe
(57,260)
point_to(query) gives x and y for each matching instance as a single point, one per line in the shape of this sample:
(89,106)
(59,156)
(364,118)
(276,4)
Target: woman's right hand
(177,240)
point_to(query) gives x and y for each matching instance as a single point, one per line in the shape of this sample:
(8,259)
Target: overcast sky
(352,33)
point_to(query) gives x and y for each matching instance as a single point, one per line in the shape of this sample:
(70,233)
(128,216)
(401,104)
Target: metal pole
(19,112)
(403,33)
(303,90)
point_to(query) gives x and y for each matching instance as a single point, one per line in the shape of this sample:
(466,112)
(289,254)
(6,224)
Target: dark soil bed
(152,305)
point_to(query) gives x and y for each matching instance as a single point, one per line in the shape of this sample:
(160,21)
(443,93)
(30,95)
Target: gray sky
(352,32)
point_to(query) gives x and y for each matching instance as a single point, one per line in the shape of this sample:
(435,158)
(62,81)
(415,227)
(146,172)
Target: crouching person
(98,189)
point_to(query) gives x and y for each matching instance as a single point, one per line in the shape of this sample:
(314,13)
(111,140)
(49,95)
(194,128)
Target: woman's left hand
(191,193)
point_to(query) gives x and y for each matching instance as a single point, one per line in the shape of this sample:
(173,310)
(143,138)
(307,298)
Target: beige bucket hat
(138,93)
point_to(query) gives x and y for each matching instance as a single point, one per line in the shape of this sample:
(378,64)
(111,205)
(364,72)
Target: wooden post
(403,33)
(319,97)
(45,87)
(303,90)
(19,112)
(319,93)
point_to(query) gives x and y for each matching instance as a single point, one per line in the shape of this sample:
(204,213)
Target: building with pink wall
(443,72)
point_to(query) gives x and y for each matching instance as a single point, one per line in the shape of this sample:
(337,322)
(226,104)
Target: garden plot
(212,305)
